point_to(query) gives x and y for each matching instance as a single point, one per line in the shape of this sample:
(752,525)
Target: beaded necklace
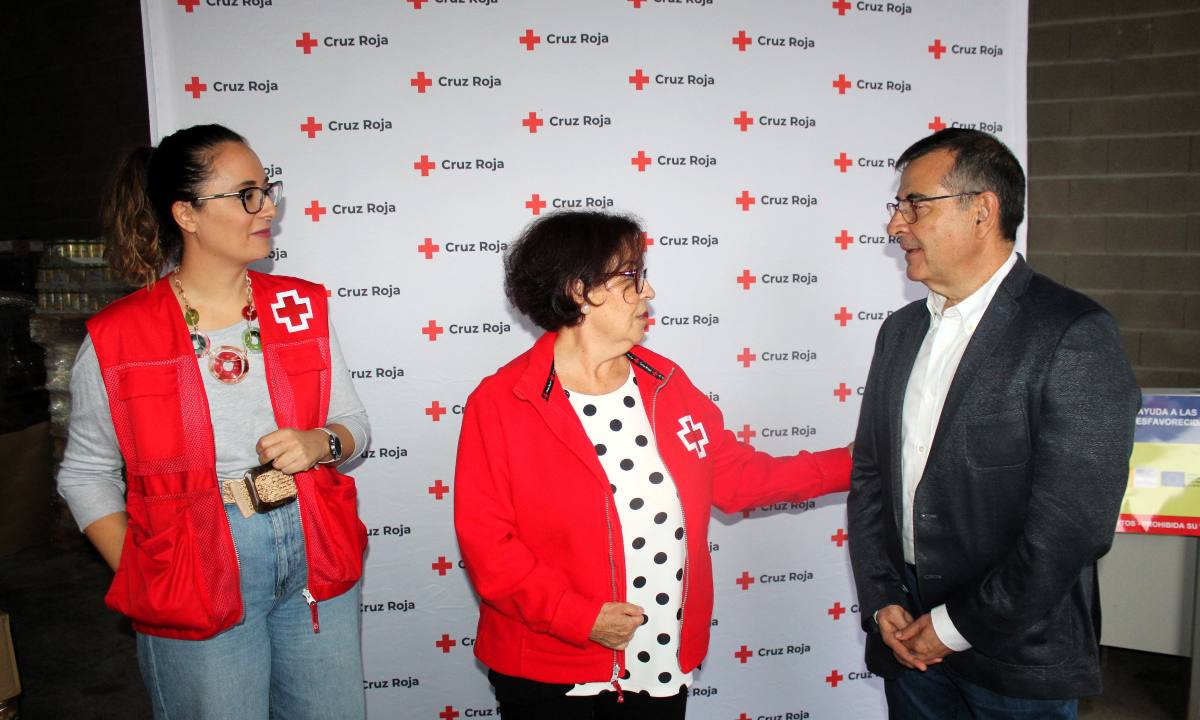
(227,363)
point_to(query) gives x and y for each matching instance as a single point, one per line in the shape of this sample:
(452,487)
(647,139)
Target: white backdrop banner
(755,140)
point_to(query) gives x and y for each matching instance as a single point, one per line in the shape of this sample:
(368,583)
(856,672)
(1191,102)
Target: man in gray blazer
(991,456)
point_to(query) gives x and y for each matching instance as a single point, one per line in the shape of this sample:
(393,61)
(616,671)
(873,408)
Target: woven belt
(261,489)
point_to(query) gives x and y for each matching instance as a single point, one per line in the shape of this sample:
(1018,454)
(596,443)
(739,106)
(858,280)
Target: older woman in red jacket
(586,469)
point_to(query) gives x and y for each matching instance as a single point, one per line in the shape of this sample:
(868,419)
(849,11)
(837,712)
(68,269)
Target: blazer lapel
(992,327)
(905,355)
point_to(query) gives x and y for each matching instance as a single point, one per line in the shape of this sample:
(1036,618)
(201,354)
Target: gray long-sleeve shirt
(90,477)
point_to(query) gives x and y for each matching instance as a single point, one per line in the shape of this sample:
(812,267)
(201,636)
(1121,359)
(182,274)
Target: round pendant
(200,343)
(229,364)
(249,313)
(191,316)
(252,340)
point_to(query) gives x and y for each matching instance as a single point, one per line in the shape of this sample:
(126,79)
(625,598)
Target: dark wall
(73,83)
(1114,167)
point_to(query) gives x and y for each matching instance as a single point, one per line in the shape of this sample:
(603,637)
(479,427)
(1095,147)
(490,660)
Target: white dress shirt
(950,329)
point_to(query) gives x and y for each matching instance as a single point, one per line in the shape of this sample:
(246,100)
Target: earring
(585,308)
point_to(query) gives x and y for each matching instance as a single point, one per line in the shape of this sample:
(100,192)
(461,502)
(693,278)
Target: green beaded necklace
(227,363)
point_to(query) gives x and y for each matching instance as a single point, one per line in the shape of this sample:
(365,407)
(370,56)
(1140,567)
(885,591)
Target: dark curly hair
(555,251)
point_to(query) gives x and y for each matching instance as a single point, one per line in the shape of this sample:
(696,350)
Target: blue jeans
(271,664)
(937,694)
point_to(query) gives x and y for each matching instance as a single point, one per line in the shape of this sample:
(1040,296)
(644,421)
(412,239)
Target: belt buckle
(261,505)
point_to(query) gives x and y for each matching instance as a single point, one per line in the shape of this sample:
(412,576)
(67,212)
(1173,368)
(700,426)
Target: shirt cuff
(945,630)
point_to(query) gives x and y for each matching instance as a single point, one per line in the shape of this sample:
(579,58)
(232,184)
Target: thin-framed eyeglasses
(638,277)
(252,197)
(908,206)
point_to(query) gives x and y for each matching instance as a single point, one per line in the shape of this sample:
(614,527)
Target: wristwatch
(335,446)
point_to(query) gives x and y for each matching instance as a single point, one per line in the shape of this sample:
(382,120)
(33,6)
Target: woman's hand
(615,624)
(292,451)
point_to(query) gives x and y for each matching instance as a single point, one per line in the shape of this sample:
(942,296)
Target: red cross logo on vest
(692,435)
(292,310)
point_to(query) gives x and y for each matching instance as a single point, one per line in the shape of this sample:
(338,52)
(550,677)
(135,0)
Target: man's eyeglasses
(638,277)
(908,206)
(252,197)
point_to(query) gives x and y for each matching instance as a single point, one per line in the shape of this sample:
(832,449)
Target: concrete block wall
(1114,169)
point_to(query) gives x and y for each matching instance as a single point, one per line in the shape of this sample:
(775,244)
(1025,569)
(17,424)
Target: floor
(77,659)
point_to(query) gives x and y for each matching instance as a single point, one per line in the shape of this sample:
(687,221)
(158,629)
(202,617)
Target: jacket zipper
(308,596)
(683,513)
(612,580)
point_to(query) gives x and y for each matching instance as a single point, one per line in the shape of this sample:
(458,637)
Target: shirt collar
(971,308)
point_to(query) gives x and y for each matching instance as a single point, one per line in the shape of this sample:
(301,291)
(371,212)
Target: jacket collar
(539,379)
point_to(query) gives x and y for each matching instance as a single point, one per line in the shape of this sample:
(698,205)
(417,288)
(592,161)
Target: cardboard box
(10,682)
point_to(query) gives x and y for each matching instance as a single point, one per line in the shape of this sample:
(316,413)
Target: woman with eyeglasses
(586,470)
(223,393)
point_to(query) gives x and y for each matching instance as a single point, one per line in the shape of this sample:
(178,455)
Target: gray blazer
(1020,494)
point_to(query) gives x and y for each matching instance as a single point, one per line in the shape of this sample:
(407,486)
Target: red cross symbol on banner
(639,78)
(446,643)
(741,40)
(647,240)
(743,654)
(641,160)
(745,581)
(746,279)
(417,3)
(649,323)
(936,124)
(529,40)
(428,248)
(449,713)
(424,166)
(536,204)
(436,411)
(843,316)
(840,537)
(433,330)
(533,122)
(842,84)
(442,565)
(311,127)
(834,678)
(842,162)
(315,211)
(841,392)
(837,610)
(841,6)
(188,5)
(438,489)
(637,4)
(844,239)
(306,43)
(746,357)
(746,434)
(937,48)
(743,121)
(744,200)
(420,82)
(743,716)
(195,87)
(292,310)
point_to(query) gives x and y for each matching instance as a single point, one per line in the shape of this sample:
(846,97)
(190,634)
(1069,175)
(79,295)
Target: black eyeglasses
(252,197)
(638,277)
(908,206)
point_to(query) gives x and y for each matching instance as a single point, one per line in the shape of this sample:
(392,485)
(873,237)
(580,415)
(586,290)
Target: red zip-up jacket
(539,530)
(178,575)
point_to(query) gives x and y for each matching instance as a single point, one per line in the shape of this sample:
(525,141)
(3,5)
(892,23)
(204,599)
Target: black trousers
(522,699)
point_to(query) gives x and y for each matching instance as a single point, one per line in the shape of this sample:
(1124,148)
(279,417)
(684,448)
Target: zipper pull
(312,605)
(616,684)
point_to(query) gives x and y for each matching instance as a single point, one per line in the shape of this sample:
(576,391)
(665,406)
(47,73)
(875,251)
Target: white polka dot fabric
(652,529)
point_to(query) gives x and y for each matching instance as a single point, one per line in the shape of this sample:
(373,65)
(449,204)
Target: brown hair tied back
(140,232)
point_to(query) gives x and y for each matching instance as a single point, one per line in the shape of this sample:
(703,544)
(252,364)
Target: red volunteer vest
(178,575)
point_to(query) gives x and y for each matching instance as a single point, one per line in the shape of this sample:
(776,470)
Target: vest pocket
(149,399)
(158,582)
(335,537)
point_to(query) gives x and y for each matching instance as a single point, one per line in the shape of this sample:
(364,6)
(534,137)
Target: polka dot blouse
(651,519)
